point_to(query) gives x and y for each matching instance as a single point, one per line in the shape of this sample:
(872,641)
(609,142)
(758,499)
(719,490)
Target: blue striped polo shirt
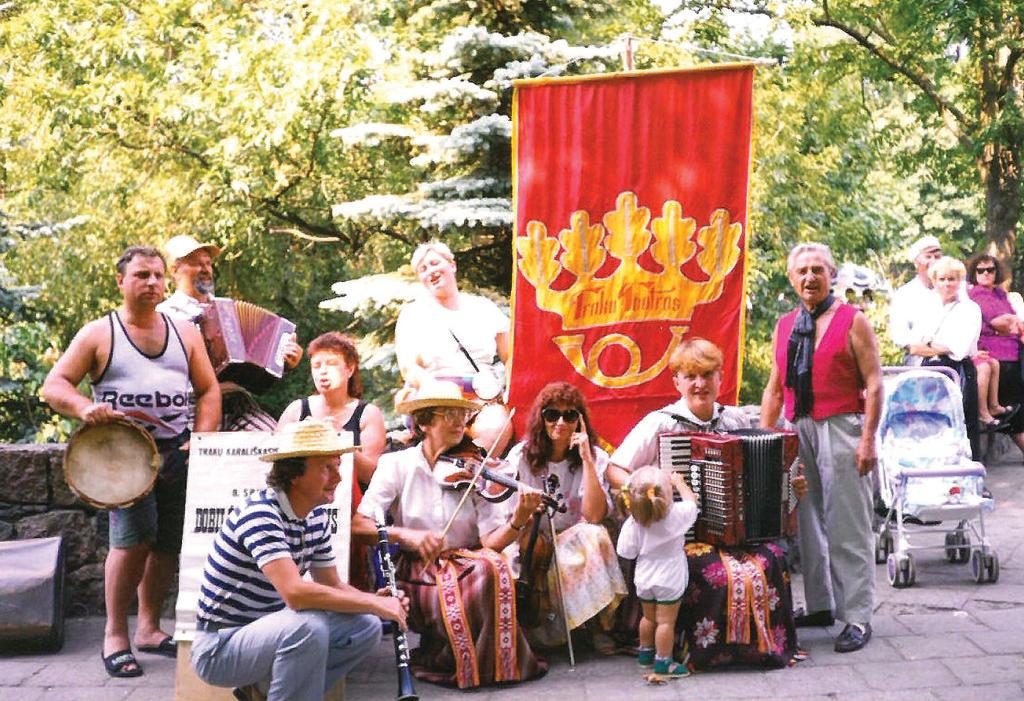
(234,590)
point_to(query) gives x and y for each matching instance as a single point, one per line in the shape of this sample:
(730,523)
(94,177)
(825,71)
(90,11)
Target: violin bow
(476,475)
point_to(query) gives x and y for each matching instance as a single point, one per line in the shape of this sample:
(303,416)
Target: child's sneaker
(645,657)
(668,667)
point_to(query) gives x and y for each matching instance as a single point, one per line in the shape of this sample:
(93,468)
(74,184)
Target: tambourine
(111,465)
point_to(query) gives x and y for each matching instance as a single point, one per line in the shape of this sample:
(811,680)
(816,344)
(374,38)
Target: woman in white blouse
(949,328)
(558,456)
(460,589)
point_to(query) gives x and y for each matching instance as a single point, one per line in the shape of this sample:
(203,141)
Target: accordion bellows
(743,481)
(245,342)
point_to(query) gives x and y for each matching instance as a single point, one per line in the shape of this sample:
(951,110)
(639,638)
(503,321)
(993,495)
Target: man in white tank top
(140,364)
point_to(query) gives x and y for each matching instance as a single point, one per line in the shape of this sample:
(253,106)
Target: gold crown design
(631,292)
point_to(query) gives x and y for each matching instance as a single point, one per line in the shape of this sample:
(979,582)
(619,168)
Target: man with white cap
(908,301)
(191,266)
(261,626)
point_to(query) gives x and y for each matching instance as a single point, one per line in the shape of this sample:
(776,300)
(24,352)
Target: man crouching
(261,626)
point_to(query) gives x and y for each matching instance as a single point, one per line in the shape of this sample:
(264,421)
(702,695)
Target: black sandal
(116,663)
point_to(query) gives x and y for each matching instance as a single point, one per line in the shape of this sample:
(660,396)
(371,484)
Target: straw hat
(308,438)
(182,245)
(435,393)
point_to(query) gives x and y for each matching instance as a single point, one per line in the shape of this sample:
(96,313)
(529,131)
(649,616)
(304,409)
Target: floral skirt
(592,584)
(738,607)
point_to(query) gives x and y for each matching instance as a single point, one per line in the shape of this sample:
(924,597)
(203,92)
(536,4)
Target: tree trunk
(1000,169)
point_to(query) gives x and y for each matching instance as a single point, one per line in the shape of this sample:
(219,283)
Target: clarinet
(406,691)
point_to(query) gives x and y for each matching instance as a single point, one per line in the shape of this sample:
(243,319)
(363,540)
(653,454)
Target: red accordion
(245,342)
(742,480)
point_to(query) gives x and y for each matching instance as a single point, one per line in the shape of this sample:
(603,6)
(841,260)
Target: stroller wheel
(900,570)
(985,566)
(958,546)
(883,546)
(978,566)
(992,567)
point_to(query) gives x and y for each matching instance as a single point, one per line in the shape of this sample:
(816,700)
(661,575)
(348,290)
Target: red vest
(836,382)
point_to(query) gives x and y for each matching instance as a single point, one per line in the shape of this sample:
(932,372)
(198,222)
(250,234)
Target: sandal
(118,663)
(166,648)
(670,668)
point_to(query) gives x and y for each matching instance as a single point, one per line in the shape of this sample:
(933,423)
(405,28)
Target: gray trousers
(292,655)
(836,540)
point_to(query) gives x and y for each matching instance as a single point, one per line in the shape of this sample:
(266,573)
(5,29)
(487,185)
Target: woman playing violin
(474,639)
(558,455)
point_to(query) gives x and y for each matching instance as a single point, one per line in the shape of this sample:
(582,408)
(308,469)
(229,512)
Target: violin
(456,471)
(535,553)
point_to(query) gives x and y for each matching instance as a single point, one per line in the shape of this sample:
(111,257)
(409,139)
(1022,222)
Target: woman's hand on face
(580,440)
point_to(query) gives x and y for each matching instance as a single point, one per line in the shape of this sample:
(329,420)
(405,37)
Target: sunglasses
(551,415)
(982,271)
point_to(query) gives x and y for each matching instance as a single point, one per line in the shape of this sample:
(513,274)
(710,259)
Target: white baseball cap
(182,245)
(921,245)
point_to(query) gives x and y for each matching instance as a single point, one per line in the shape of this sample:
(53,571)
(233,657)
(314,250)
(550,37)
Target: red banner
(631,221)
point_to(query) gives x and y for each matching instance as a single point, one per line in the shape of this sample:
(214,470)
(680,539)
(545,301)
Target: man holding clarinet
(262,627)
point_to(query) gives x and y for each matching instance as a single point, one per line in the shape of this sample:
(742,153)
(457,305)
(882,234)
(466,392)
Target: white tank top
(151,388)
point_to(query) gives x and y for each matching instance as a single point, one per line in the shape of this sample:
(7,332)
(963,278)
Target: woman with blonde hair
(654,536)
(696,366)
(458,337)
(947,332)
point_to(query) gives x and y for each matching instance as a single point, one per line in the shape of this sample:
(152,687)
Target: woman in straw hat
(472,638)
(450,335)
(559,454)
(334,364)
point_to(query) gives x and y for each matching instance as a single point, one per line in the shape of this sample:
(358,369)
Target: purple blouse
(993,303)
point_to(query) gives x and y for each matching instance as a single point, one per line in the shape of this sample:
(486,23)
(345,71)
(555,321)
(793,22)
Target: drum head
(111,465)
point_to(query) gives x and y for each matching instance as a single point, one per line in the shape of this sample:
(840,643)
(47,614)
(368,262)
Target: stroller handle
(977,471)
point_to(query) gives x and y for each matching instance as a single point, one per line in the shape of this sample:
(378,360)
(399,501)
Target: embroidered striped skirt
(463,607)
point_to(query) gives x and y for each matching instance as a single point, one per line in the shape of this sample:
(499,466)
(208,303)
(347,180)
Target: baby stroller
(927,475)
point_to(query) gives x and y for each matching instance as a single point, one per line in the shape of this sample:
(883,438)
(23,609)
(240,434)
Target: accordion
(742,480)
(245,342)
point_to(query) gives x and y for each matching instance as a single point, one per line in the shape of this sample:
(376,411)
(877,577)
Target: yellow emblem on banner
(630,292)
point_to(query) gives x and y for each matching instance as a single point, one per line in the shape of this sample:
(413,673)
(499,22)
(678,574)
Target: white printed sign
(224,469)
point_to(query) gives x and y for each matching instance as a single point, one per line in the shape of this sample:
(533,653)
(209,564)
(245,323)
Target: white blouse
(404,485)
(570,483)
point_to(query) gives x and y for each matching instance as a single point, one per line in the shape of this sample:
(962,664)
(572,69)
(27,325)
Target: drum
(111,465)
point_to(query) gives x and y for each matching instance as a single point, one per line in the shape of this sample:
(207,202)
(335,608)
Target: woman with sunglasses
(559,456)
(718,577)
(1001,333)
(460,603)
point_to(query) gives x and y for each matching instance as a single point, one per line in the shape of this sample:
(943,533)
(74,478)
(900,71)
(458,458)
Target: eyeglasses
(551,414)
(453,414)
(983,271)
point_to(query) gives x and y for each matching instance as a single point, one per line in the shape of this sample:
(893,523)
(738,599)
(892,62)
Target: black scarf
(800,356)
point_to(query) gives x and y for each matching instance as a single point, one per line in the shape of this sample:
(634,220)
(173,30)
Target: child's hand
(680,484)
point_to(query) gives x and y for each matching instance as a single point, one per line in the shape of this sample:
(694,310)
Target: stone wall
(35,502)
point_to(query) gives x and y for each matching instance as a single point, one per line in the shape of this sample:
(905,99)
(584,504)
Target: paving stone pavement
(944,639)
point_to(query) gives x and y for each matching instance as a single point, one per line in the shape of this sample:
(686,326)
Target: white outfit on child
(661,570)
